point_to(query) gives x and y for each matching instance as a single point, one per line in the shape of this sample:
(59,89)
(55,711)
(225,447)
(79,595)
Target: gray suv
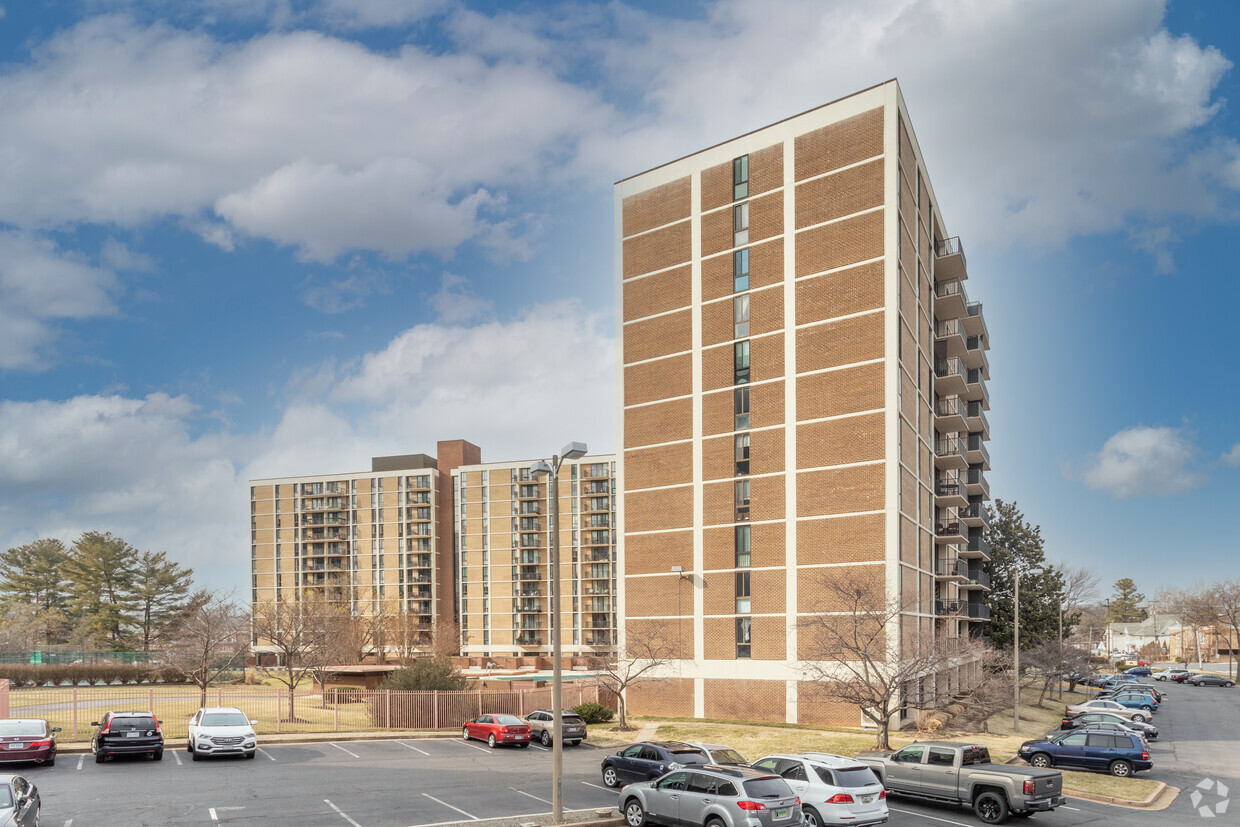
(542,726)
(712,794)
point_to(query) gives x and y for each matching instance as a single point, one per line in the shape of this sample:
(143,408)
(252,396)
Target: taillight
(106,728)
(882,794)
(750,806)
(46,743)
(840,798)
(1030,788)
(157,725)
(798,801)
(503,729)
(1145,756)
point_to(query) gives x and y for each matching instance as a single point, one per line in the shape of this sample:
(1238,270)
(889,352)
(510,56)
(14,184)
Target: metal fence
(43,657)
(74,709)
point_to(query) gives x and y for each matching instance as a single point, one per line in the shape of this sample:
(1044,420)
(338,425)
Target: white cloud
(1231,458)
(1144,461)
(41,286)
(454,302)
(340,295)
(377,14)
(118,256)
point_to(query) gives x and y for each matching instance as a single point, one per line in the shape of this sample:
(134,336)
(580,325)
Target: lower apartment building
(802,403)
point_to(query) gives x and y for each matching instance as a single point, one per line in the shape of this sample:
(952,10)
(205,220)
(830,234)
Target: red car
(1183,677)
(498,729)
(27,739)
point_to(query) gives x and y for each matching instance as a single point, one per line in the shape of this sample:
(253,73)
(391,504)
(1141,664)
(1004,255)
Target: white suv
(221,730)
(833,789)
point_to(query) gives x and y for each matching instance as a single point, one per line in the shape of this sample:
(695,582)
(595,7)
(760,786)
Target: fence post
(150,694)
(75,712)
(219,696)
(279,709)
(387,709)
(336,709)
(479,701)
(521,703)
(435,710)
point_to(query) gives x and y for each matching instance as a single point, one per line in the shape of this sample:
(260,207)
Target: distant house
(1133,637)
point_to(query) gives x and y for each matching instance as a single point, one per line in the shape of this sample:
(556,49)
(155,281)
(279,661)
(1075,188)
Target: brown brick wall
(841,540)
(766,217)
(840,441)
(818,705)
(717,231)
(766,358)
(841,243)
(840,343)
(665,698)
(836,196)
(768,590)
(718,412)
(654,596)
(766,451)
(651,553)
(766,404)
(719,367)
(657,250)
(719,457)
(766,169)
(661,422)
(657,510)
(766,267)
(657,294)
(717,185)
(745,700)
(908,541)
(840,490)
(906,147)
(820,590)
(843,391)
(766,544)
(840,144)
(652,381)
(766,310)
(656,207)
(719,638)
(665,465)
(766,500)
(718,320)
(660,336)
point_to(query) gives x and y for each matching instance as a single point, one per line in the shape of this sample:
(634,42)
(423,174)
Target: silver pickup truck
(963,774)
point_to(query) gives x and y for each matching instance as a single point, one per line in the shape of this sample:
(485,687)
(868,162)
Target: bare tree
(852,655)
(341,633)
(297,631)
(991,692)
(211,638)
(1227,599)
(646,654)
(1197,610)
(446,640)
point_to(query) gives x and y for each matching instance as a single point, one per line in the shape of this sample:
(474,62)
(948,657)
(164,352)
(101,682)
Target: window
(740,224)
(740,178)
(740,270)
(909,755)
(945,757)
(740,315)
(742,500)
(743,637)
(742,454)
(740,398)
(740,359)
(743,540)
(742,592)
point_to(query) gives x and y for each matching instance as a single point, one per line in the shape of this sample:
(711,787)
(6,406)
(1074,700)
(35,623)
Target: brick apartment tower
(802,384)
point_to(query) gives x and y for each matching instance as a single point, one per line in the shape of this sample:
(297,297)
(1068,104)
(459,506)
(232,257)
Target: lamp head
(573,450)
(539,469)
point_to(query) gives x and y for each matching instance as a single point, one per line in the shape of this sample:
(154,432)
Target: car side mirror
(94,723)
(253,722)
(619,752)
(55,729)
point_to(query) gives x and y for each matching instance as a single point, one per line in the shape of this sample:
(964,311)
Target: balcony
(950,334)
(949,260)
(596,470)
(975,450)
(950,415)
(975,414)
(530,606)
(949,377)
(949,529)
(976,481)
(950,300)
(976,548)
(974,514)
(951,569)
(977,579)
(949,491)
(975,387)
(949,453)
(529,640)
(948,608)
(974,321)
(531,591)
(978,611)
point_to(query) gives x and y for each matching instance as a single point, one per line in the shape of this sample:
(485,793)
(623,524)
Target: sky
(254,238)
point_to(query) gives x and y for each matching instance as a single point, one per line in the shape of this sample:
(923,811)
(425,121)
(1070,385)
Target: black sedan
(1210,680)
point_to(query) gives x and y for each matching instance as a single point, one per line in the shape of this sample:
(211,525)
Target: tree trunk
(883,743)
(620,703)
(202,693)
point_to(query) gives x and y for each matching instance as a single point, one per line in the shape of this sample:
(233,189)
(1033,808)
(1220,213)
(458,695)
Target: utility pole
(1061,657)
(1016,656)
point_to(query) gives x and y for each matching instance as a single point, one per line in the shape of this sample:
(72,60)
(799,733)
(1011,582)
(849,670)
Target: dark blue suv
(1139,671)
(648,760)
(1116,753)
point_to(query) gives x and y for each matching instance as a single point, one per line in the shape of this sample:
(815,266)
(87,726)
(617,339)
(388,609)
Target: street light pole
(573,450)
(1016,656)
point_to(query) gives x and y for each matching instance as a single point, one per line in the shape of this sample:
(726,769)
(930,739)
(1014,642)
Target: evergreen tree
(99,573)
(1127,603)
(1016,547)
(30,576)
(161,592)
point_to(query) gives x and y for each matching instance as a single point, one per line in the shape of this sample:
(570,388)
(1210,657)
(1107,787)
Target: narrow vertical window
(742,592)
(742,454)
(743,629)
(742,500)
(741,362)
(743,548)
(740,316)
(740,224)
(741,405)
(740,178)
(740,270)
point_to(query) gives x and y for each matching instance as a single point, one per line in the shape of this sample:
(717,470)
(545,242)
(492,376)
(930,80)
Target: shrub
(593,713)
(424,675)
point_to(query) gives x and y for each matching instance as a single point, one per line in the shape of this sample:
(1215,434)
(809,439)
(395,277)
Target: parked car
(1142,671)
(221,730)
(1103,727)
(1170,674)
(1104,705)
(1183,676)
(722,755)
(1119,754)
(1135,699)
(1202,679)
(648,760)
(710,793)
(27,739)
(19,802)
(1148,730)
(127,733)
(542,726)
(497,729)
(963,774)
(832,789)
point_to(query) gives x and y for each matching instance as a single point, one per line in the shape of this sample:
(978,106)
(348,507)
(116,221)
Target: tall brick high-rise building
(802,389)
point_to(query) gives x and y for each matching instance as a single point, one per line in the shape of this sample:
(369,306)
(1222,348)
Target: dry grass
(1132,788)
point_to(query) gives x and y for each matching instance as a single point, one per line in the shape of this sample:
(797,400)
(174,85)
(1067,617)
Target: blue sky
(248,238)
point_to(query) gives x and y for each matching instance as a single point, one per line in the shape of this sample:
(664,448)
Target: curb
(78,748)
(1160,799)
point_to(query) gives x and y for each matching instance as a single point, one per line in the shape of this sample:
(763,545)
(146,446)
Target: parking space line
(69,823)
(266,753)
(1066,807)
(342,749)
(449,806)
(81,758)
(214,818)
(597,787)
(471,746)
(412,747)
(177,755)
(341,813)
(923,815)
(528,795)
(540,749)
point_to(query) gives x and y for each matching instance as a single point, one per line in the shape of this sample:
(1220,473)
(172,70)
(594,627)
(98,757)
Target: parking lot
(431,782)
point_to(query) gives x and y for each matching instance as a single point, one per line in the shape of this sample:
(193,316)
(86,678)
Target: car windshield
(224,719)
(727,756)
(508,720)
(855,777)
(21,728)
(771,787)
(689,755)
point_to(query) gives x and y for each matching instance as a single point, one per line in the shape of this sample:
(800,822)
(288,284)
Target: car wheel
(1139,718)
(1229,684)
(158,756)
(546,738)
(1040,760)
(525,745)
(197,756)
(1148,709)
(100,757)
(189,747)
(51,762)
(610,778)
(1121,769)
(991,808)
(634,815)
(574,743)
(491,740)
(251,754)
(811,818)
(465,733)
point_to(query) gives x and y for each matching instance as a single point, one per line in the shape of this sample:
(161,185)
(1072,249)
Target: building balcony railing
(975,388)
(529,640)
(949,376)
(951,568)
(976,547)
(975,450)
(950,529)
(974,320)
(949,484)
(976,482)
(978,611)
(948,608)
(949,453)
(528,606)
(951,406)
(975,412)
(950,299)
(977,579)
(949,260)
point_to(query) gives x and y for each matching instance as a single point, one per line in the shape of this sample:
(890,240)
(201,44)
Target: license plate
(867,799)
(781,814)
(132,734)
(16,746)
